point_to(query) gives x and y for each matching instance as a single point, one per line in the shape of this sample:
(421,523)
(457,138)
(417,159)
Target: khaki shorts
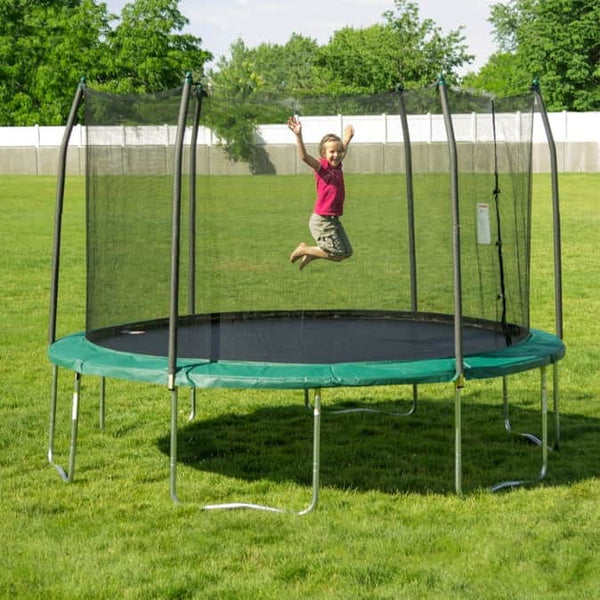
(330,235)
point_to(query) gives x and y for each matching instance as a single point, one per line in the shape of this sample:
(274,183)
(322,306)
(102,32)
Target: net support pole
(199,94)
(558,308)
(412,253)
(555,213)
(453,155)
(60,195)
(458,341)
(55,277)
(409,200)
(175,250)
(173,448)
(176,231)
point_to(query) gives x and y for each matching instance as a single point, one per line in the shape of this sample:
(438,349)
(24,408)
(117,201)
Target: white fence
(34,150)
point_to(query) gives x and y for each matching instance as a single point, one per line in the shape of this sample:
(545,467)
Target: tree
(374,59)
(423,51)
(501,75)
(39,72)
(46,47)
(240,83)
(556,41)
(146,51)
(289,68)
(362,60)
(404,49)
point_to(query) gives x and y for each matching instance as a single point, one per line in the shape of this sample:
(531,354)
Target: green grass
(388,525)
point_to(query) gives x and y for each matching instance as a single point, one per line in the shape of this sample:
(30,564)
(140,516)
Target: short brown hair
(330,137)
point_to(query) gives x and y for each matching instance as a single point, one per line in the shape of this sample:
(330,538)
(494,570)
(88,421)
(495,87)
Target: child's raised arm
(348,135)
(295,126)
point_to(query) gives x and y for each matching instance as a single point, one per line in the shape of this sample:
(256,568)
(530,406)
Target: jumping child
(324,224)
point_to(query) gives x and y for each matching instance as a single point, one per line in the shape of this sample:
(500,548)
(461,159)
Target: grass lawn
(388,525)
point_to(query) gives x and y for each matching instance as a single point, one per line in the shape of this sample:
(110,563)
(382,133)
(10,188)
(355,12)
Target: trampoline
(240,339)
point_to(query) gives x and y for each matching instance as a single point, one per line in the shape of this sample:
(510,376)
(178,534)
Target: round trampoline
(305,351)
(437,290)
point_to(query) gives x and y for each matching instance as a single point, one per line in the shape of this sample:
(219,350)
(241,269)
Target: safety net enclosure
(249,303)
(195,201)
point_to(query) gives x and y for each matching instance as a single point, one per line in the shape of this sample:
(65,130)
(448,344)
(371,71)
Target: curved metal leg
(458,387)
(543,443)
(534,439)
(316,470)
(173,450)
(192,404)
(359,409)
(544,411)
(102,402)
(68,475)
(556,405)
(316,454)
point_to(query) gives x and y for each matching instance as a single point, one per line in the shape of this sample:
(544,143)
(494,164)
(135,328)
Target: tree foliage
(147,52)
(48,45)
(555,41)
(423,51)
(403,49)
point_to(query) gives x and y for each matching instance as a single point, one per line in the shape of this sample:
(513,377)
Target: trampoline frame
(460,374)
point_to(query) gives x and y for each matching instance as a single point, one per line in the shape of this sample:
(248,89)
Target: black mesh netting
(254,198)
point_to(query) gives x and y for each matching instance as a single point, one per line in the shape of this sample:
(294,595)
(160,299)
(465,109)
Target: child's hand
(295,125)
(348,133)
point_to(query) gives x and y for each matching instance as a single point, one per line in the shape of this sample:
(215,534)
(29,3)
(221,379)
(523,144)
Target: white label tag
(484,234)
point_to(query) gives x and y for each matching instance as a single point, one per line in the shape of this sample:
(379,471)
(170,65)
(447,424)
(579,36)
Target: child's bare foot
(298,252)
(305,260)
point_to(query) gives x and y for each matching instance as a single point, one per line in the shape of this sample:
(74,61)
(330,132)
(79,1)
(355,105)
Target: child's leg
(303,250)
(310,257)
(331,237)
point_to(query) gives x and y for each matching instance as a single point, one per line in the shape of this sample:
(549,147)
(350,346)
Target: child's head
(331,148)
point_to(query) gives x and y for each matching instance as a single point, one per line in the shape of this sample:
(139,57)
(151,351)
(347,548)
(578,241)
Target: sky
(221,22)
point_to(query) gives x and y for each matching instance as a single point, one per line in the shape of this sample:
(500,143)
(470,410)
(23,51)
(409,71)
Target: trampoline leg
(407,413)
(458,386)
(192,404)
(555,394)
(316,469)
(544,411)
(173,453)
(102,402)
(70,473)
(74,427)
(507,424)
(52,429)
(316,454)
(543,443)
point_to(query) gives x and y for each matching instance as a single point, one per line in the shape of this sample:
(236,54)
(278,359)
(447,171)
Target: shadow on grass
(366,451)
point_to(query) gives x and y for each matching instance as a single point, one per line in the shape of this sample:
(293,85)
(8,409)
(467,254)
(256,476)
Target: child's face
(332,153)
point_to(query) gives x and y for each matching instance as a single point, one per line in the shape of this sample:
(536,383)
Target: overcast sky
(220,22)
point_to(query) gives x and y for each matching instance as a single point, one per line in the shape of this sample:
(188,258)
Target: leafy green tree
(236,77)
(286,68)
(362,60)
(556,41)
(403,49)
(46,47)
(146,51)
(423,50)
(239,85)
(501,75)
